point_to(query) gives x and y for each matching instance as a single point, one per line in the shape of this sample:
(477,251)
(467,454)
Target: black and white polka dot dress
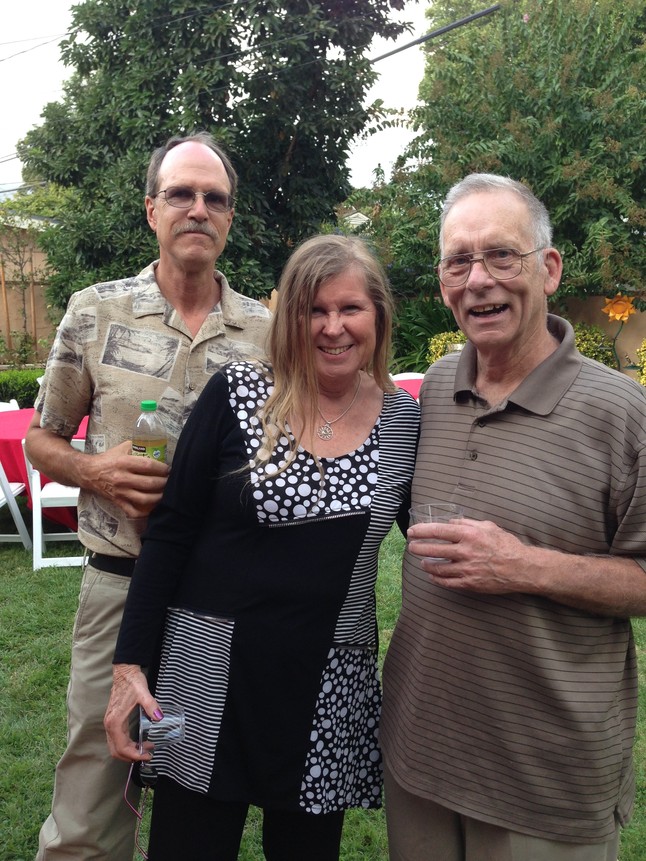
(270,642)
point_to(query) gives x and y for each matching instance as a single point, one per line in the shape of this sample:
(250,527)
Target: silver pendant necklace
(325,431)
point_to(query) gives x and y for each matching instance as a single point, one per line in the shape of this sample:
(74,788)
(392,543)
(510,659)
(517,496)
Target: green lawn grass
(36,617)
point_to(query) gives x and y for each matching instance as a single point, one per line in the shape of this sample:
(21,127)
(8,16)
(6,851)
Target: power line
(440,32)
(431,35)
(31,39)
(33,48)
(23,185)
(177,19)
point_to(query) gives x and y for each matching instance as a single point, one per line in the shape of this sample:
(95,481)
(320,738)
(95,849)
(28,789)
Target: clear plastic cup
(169,729)
(435,512)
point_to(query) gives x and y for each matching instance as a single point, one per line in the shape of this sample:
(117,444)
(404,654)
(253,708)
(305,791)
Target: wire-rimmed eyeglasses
(183,197)
(501,263)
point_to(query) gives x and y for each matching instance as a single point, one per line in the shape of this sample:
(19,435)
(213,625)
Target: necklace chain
(325,431)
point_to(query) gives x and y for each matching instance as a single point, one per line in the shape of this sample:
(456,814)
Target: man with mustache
(510,683)
(159,335)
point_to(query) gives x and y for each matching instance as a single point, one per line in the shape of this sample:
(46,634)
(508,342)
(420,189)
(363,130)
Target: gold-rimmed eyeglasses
(183,197)
(500,263)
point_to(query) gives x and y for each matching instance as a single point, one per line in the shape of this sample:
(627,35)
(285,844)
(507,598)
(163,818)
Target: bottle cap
(148,406)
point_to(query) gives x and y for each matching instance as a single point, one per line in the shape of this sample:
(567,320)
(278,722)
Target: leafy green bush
(416,320)
(441,344)
(593,342)
(21,385)
(590,340)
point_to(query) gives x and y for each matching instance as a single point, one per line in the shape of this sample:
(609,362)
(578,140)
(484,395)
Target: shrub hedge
(21,384)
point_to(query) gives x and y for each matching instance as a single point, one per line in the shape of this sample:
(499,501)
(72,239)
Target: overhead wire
(33,48)
(277,72)
(29,39)
(23,185)
(440,31)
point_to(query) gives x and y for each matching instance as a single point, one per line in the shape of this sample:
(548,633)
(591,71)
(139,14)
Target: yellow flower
(620,308)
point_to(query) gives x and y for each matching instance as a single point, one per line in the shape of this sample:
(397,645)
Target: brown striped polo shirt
(513,709)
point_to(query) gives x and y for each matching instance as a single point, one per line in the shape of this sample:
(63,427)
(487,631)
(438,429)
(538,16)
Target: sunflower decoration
(620,308)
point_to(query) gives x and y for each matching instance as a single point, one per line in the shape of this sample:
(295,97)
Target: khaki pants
(89,818)
(420,830)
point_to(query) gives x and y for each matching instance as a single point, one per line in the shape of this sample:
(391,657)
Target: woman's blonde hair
(291,352)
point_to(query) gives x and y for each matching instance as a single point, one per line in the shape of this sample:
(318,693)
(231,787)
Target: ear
(554,265)
(150,213)
(445,293)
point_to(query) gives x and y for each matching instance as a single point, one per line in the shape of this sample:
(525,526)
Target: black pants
(188,825)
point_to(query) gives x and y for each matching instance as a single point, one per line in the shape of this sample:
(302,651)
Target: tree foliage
(279,82)
(550,92)
(444,12)
(45,200)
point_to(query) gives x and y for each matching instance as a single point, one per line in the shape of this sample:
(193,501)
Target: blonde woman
(257,577)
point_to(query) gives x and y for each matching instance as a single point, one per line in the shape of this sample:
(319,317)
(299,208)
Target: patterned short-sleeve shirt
(122,342)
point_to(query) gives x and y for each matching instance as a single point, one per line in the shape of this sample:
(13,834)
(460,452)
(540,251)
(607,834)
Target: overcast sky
(31,75)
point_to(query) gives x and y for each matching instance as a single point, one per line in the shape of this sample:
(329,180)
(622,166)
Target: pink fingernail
(158,714)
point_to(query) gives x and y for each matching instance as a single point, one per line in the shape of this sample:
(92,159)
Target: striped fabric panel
(196,675)
(397,444)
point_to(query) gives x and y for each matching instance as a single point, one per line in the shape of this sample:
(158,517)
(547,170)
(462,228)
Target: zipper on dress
(182,611)
(301,520)
(355,647)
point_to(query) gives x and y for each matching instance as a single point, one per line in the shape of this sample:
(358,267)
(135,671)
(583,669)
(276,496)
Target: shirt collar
(544,387)
(148,299)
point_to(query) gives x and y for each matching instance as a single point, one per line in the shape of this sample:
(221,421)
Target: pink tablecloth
(411,386)
(13,428)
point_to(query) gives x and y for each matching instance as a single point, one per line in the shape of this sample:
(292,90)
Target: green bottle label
(155,449)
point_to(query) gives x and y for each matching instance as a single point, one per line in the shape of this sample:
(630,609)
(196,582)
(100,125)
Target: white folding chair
(9,490)
(5,406)
(407,375)
(50,495)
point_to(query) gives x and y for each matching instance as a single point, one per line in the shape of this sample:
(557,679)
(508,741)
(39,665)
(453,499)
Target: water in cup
(435,512)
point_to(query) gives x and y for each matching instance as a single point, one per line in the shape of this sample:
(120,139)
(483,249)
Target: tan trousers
(420,830)
(89,818)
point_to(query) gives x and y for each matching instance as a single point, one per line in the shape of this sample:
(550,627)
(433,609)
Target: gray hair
(205,138)
(541,225)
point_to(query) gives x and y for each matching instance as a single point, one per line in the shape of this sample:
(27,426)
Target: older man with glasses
(159,335)
(510,684)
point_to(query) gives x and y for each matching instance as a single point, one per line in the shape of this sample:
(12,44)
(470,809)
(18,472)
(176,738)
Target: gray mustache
(195,227)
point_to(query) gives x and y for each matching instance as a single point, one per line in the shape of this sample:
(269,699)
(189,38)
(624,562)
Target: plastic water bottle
(149,438)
